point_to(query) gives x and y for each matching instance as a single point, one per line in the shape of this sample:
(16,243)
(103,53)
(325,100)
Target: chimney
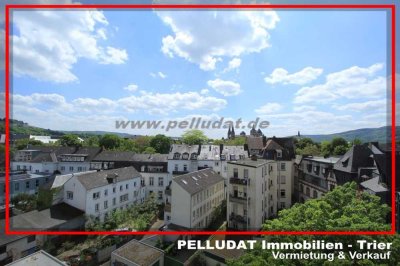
(254,157)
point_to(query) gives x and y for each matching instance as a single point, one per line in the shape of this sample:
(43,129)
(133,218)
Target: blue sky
(312,71)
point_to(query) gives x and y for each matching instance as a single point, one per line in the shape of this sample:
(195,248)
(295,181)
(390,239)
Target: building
(316,177)
(57,218)
(44,139)
(255,145)
(184,159)
(152,167)
(59,160)
(194,196)
(255,193)
(357,164)
(135,253)
(39,258)
(98,193)
(23,183)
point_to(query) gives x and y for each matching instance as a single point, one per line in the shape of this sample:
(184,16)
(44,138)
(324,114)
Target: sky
(316,72)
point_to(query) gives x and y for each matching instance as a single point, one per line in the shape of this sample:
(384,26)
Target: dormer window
(223,157)
(232,157)
(185,156)
(279,153)
(193,156)
(177,155)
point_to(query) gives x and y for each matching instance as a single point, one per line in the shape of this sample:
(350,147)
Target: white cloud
(354,82)
(197,39)
(159,74)
(269,108)
(49,43)
(91,105)
(302,108)
(378,105)
(164,103)
(233,64)
(131,87)
(204,91)
(225,87)
(281,75)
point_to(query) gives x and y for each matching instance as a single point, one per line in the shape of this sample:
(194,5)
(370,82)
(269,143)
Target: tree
(149,150)
(303,142)
(161,143)
(311,149)
(343,209)
(23,143)
(110,141)
(70,140)
(326,148)
(92,141)
(143,142)
(194,137)
(340,150)
(128,145)
(338,141)
(356,141)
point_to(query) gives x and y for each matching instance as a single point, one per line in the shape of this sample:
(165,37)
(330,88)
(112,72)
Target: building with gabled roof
(99,193)
(137,253)
(193,198)
(39,258)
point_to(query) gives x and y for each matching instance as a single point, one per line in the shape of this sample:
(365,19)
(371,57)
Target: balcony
(239,181)
(239,218)
(237,199)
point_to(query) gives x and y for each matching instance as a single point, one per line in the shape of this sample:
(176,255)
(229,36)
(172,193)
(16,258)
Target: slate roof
(182,148)
(56,149)
(115,156)
(249,162)
(374,185)
(45,157)
(39,258)
(197,181)
(91,152)
(272,145)
(357,156)
(236,150)
(255,143)
(209,152)
(99,179)
(150,157)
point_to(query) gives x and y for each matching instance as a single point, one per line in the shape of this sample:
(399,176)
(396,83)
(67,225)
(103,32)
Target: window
(177,155)
(331,187)
(3,249)
(283,167)
(62,168)
(70,195)
(37,182)
(160,181)
(106,192)
(246,173)
(16,186)
(308,191)
(283,193)
(114,201)
(71,168)
(36,171)
(96,195)
(123,198)
(232,157)
(282,179)
(120,188)
(126,186)
(185,156)
(160,195)
(176,167)
(279,153)
(185,167)
(235,172)
(105,204)
(216,163)
(142,182)
(96,207)
(79,168)
(315,194)
(27,184)
(151,181)
(31,238)
(18,167)
(283,205)
(114,189)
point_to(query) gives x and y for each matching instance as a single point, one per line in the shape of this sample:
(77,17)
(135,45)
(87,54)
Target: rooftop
(249,162)
(374,185)
(139,253)
(40,258)
(99,179)
(198,181)
(46,219)
(330,160)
